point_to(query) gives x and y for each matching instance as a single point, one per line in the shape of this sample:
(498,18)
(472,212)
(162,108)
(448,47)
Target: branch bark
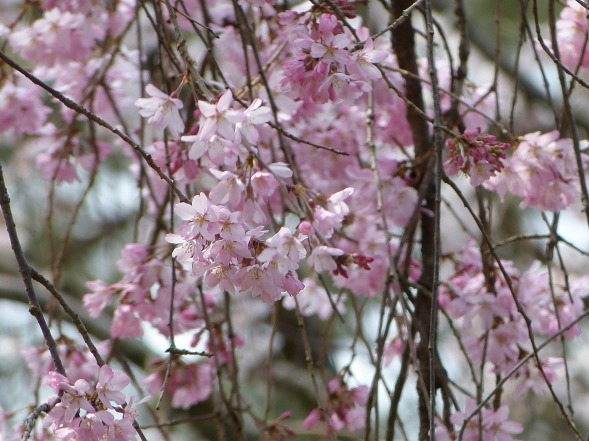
(403,39)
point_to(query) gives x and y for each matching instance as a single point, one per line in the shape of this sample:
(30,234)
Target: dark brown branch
(34,306)
(396,395)
(133,350)
(26,273)
(403,38)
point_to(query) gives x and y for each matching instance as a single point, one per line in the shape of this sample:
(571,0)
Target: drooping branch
(98,120)
(26,273)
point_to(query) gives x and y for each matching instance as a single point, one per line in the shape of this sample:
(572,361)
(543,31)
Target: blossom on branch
(161,111)
(81,414)
(490,424)
(344,407)
(542,171)
(572,34)
(478,156)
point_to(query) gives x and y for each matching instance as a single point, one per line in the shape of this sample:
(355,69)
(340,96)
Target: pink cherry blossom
(198,148)
(192,386)
(478,156)
(571,30)
(121,430)
(229,189)
(199,219)
(285,249)
(305,186)
(262,280)
(542,171)
(264,184)
(126,323)
(75,399)
(110,384)
(366,58)
(218,118)
(161,111)
(57,37)
(189,384)
(100,297)
(346,408)
(93,426)
(331,48)
(21,107)
(321,258)
(254,115)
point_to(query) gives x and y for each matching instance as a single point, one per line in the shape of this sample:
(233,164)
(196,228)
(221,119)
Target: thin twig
(98,120)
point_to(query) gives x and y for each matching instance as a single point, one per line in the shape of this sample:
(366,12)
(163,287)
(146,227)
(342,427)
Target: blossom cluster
(223,131)
(144,295)
(73,57)
(542,171)
(225,135)
(495,330)
(88,412)
(344,407)
(326,66)
(475,155)
(571,31)
(91,402)
(489,424)
(230,254)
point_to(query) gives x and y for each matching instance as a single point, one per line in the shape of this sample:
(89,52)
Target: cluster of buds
(478,156)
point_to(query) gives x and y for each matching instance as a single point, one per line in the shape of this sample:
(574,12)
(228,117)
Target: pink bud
(306,228)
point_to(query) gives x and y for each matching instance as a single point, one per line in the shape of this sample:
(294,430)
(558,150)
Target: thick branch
(403,38)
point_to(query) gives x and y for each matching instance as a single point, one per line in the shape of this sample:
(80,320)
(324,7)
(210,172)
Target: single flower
(161,110)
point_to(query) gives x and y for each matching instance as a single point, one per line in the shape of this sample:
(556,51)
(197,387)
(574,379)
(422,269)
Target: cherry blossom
(571,30)
(57,37)
(321,258)
(161,110)
(493,424)
(478,156)
(198,217)
(218,118)
(331,47)
(188,384)
(100,298)
(78,416)
(110,384)
(285,249)
(255,114)
(542,171)
(20,102)
(262,280)
(264,184)
(318,71)
(228,190)
(329,218)
(345,407)
(366,58)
